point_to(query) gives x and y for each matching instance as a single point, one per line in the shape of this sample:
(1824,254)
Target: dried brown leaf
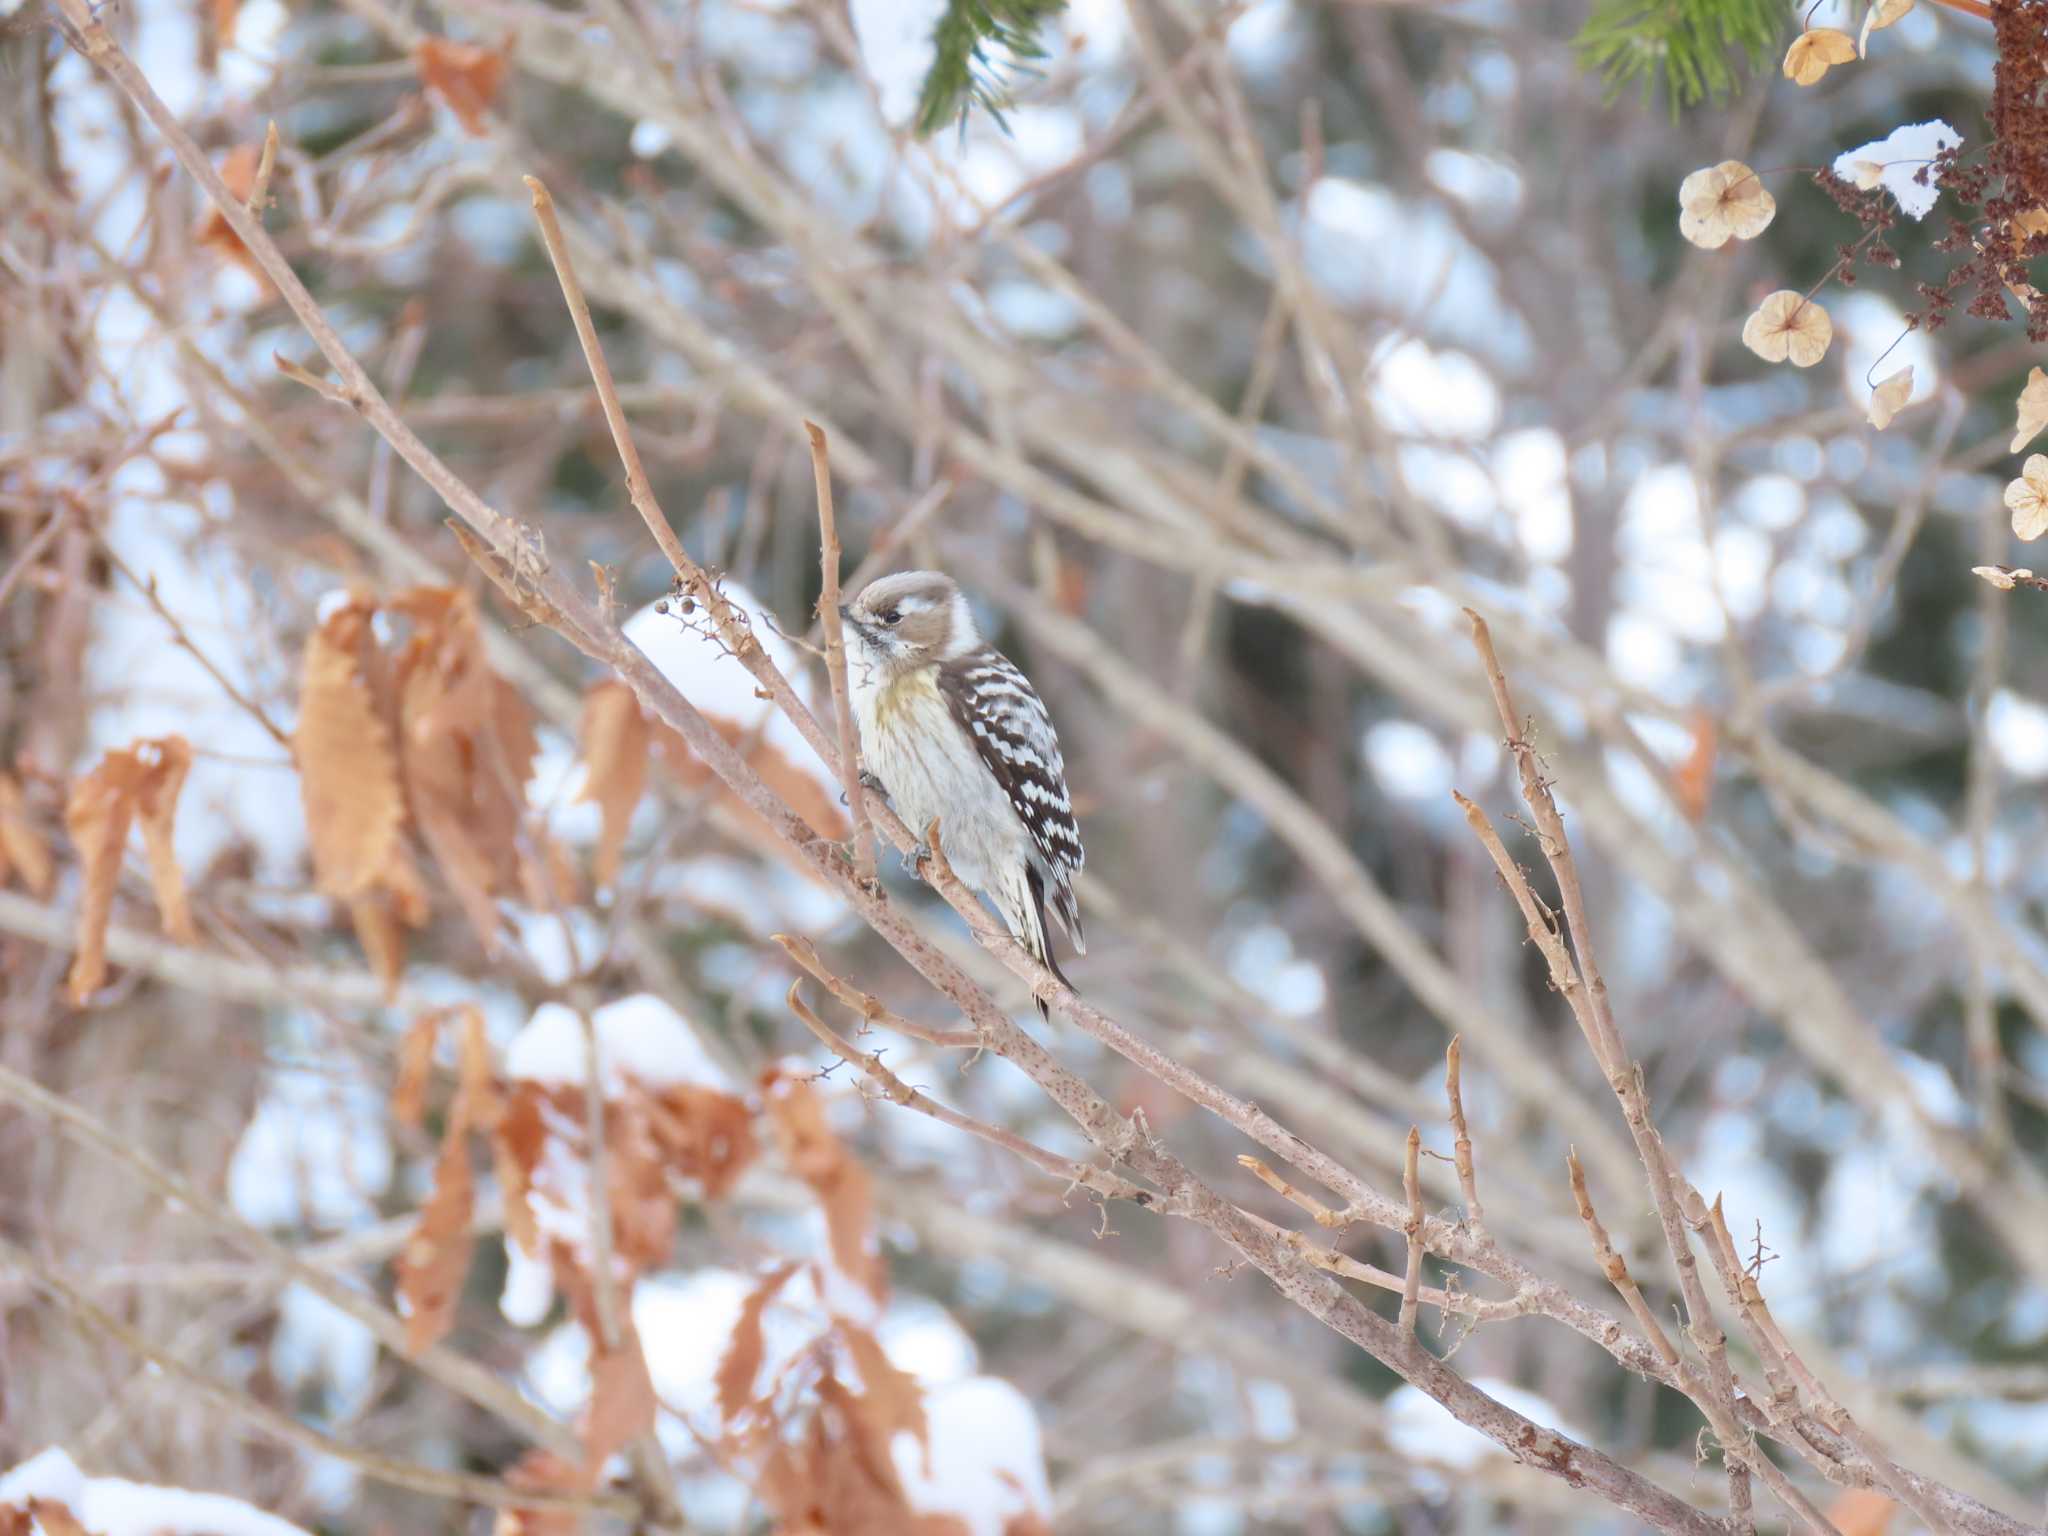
(348,770)
(703,1135)
(23,848)
(166,762)
(465,76)
(741,1362)
(516,1148)
(415,1066)
(378,931)
(435,1260)
(458,772)
(890,1401)
(1694,780)
(478,1085)
(97,816)
(1814,52)
(541,1471)
(613,742)
(621,1402)
(643,1204)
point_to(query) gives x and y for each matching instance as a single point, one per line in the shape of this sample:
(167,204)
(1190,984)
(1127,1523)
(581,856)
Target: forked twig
(1099,1181)
(1461,1148)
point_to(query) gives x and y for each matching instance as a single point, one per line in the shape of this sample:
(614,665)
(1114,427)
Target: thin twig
(637,487)
(835,655)
(871,1009)
(38,541)
(1411,1183)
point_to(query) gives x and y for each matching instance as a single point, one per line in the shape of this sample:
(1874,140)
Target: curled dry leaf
(465,76)
(23,848)
(843,1186)
(477,1084)
(348,771)
(1723,202)
(1814,52)
(435,1260)
(2028,498)
(415,1065)
(1789,325)
(621,1402)
(102,806)
(1878,15)
(890,1402)
(238,172)
(166,763)
(2003,577)
(1890,397)
(1694,781)
(466,748)
(613,740)
(2032,410)
(741,1362)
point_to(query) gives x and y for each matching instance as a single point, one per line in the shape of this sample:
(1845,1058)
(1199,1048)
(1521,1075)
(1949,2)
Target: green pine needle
(977,41)
(1700,48)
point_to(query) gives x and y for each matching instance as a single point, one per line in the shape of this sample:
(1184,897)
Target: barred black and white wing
(1003,716)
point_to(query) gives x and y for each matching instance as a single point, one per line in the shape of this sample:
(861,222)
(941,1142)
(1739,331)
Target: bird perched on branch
(952,731)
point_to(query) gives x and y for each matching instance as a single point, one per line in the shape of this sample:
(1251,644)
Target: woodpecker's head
(910,620)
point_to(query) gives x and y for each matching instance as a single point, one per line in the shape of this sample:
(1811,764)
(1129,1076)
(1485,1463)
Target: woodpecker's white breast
(932,770)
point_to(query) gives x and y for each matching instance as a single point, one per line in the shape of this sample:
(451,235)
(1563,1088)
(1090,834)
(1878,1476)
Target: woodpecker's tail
(1037,937)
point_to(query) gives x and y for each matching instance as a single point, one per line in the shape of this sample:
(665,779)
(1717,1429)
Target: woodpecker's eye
(891,617)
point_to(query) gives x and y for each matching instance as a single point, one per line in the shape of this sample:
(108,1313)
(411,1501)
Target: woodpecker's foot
(873,785)
(915,860)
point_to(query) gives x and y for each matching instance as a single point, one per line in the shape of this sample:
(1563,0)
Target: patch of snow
(1408,760)
(1420,391)
(638,1036)
(2018,730)
(529,1288)
(113,1506)
(317,1343)
(688,653)
(1895,162)
(896,49)
(987,1462)
(1529,469)
(1491,188)
(314,1154)
(1264,962)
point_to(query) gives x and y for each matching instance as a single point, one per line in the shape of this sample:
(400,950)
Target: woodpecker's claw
(873,785)
(914,861)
